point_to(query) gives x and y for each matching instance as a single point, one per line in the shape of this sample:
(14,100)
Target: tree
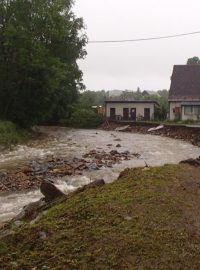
(161,109)
(92,98)
(40,42)
(193,61)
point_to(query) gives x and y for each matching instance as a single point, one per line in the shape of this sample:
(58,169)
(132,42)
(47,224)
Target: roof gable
(185,83)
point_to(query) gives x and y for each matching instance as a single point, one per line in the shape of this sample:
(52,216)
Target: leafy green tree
(193,61)
(92,98)
(161,109)
(84,118)
(40,42)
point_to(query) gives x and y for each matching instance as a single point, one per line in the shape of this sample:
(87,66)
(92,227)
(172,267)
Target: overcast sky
(146,64)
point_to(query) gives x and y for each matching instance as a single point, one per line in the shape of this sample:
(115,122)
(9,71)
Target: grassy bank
(10,134)
(148,219)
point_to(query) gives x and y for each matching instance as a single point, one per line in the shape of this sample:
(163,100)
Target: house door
(112,113)
(177,112)
(146,114)
(125,113)
(133,114)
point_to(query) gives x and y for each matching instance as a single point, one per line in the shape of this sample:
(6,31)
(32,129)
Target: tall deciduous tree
(193,61)
(40,42)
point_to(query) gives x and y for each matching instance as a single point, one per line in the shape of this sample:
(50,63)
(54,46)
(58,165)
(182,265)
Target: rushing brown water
(63,142)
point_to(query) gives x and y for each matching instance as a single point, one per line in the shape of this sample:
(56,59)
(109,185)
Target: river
(69,143)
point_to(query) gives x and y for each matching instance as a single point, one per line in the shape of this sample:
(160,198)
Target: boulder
(191,161)
(50,191)
(97,183)
(30,211)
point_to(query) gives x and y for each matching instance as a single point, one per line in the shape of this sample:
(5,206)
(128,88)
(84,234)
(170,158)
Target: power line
(144,39)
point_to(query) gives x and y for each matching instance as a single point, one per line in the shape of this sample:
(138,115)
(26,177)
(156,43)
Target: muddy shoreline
(188,134)
(29,176)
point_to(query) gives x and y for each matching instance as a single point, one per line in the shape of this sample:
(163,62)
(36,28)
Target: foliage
(10,134)
(92,98)
(85,118)
(193,61)
(40,41)
(163,93)
(161,109)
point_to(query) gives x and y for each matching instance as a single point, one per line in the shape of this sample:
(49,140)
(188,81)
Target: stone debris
(156,128)
(118,145)
(117,140)
(101,158)
(42,235)
(31,175)
(124,128)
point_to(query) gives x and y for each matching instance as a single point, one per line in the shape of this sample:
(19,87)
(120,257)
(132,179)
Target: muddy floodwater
(67,143)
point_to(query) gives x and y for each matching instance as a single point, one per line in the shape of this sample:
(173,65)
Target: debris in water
(156,128)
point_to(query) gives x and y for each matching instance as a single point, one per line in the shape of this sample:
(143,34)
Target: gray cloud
(145,64)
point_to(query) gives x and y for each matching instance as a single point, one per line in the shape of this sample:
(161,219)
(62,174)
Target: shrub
(85,118)
(9,133)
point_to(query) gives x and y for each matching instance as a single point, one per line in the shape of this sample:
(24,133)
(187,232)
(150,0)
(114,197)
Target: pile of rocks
(101,158)
(34,172)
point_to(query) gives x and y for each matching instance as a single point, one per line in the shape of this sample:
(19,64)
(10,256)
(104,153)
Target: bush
(9,133)
(85,118)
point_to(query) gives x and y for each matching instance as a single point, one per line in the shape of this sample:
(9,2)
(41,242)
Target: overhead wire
(144,39)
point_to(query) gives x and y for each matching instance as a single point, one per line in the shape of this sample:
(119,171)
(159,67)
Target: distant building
(99,109)
(147,93)
(130,109)
(184,94)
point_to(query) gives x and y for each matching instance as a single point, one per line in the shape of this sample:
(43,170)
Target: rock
(42,235)
(118,145)
(124,128)
(125,153)
(97,183)
(114,152)
(191,161)
(50,191)
(30,211)
(18,223)
(109,165)
(128,218)
(117,140)
(38,169)
(93,166)
(26,169)
(156,128)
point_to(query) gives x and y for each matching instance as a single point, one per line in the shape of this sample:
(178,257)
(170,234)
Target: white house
(129,109)
(184,94)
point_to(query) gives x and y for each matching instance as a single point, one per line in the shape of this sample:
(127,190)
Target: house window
(196,110)
(188,110)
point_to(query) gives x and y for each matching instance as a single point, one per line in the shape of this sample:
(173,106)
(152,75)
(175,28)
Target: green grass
(10,134)
(145,220)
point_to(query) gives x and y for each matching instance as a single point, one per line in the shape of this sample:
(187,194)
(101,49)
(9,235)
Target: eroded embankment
(73,158)
(186,133)
(147,219)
